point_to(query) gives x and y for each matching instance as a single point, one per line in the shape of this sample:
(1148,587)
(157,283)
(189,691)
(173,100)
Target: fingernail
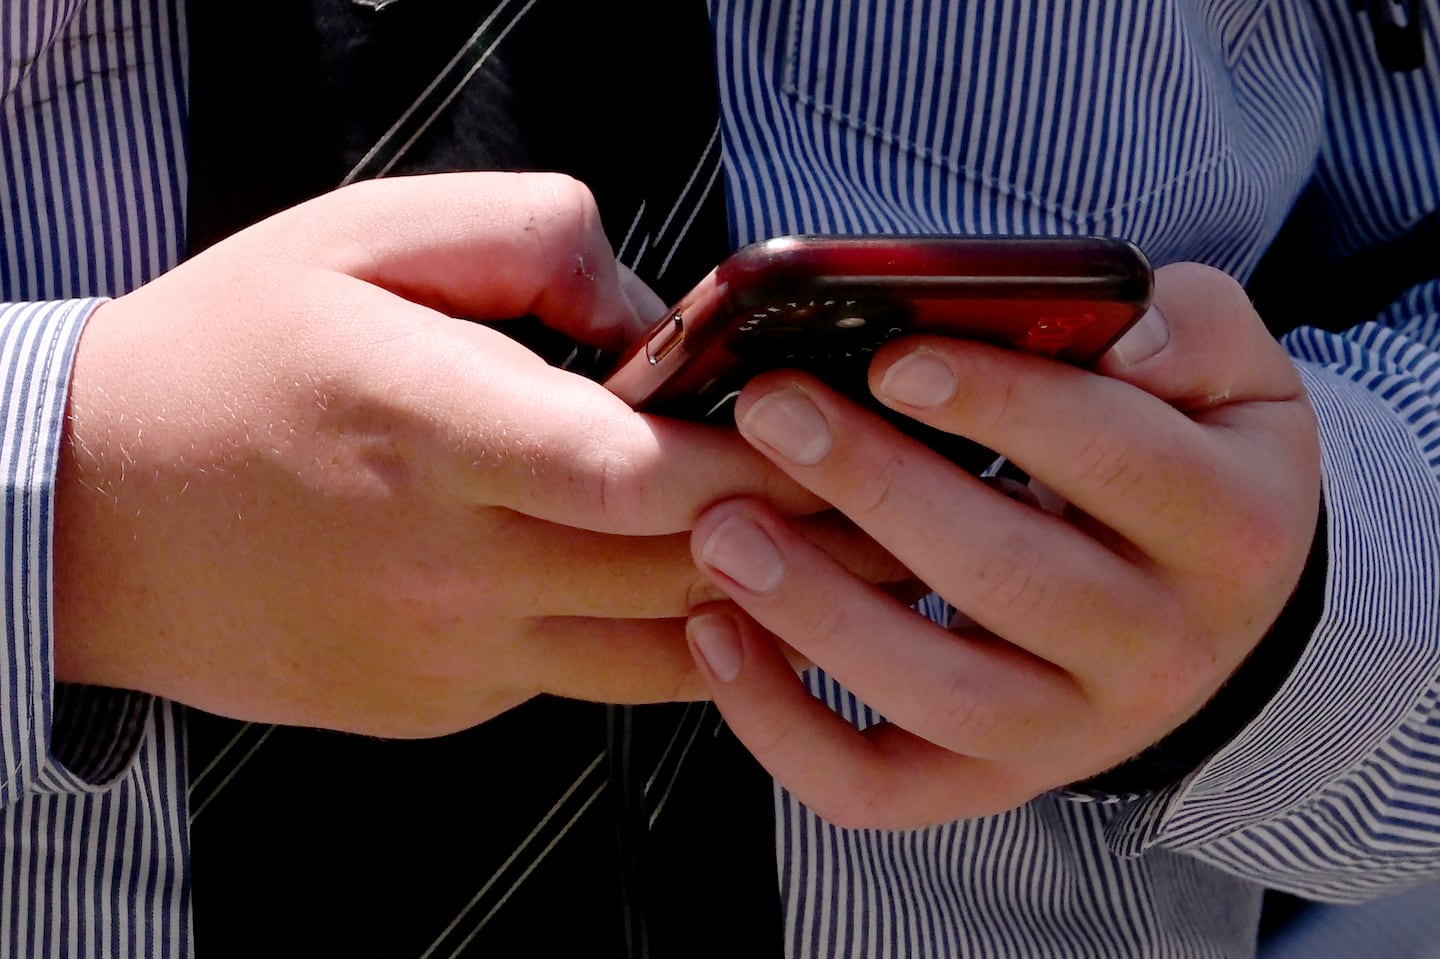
(1143,340)
(741,550)
(787,421)
(716,641)
(920,379)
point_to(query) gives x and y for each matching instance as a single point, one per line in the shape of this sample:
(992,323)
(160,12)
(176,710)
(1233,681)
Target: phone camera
(826,327)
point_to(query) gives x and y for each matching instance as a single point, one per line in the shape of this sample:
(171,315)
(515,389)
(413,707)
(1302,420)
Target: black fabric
(1397,30)
(308,843)
(1304,281)
(95,731)
(326,844)
(288,100)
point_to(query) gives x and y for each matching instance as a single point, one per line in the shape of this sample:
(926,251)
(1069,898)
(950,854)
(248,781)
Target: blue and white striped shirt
(1188,125)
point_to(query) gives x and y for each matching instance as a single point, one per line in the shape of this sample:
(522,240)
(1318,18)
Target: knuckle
(1010,580)
(1256,541)
(604,485)
(829,623)
(566,195)
(1221,291)
(569,209)
(989,402)
(846,812)
(1170,690)
(854,801)
(573,241)
(612,478)
(617,492)
(699,590)
(1105,463)
(879,489)
(988,398)
(1004,402)
(1172,667)
(773,734)
(1260,542)
(966,717)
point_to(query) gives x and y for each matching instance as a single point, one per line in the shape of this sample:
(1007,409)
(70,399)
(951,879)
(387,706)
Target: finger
(1021,572)
(567,450)
(489,245)
(608,660)
(1202,345)
(568,572)
(967,693)
(1165,482)
(881,778)
(496,425)
(481,245)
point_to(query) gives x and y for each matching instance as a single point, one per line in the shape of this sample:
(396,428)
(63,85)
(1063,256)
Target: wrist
(1239,700)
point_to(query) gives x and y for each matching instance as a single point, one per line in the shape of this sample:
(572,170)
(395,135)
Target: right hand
(1183,480)
(295,489)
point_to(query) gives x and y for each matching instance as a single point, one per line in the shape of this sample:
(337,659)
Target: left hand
(294,486)
(1189,463)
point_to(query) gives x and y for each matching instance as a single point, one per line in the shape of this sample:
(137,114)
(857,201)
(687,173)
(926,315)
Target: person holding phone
(1048,777)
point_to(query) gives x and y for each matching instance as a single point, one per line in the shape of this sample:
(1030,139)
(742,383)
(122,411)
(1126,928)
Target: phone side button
(665,339)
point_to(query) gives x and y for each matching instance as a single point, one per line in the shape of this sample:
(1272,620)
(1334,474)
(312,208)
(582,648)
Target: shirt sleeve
(1333,790)
(51,740)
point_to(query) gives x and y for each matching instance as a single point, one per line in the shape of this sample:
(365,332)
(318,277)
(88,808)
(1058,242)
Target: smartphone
(825,304)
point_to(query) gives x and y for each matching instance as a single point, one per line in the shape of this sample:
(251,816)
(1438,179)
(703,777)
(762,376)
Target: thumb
(1201,344)
(515,432)
(476,245)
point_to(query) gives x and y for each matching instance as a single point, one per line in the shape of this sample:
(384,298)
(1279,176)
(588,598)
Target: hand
(295,489)
(1191,474)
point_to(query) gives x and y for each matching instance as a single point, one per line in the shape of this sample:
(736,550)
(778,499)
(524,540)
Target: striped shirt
(1188,125)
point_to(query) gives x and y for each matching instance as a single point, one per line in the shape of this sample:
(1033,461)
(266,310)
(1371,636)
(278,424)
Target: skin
(294,488)
(1183,480)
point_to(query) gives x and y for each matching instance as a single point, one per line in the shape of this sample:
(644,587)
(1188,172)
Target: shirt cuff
(41,732)
(1370,664)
